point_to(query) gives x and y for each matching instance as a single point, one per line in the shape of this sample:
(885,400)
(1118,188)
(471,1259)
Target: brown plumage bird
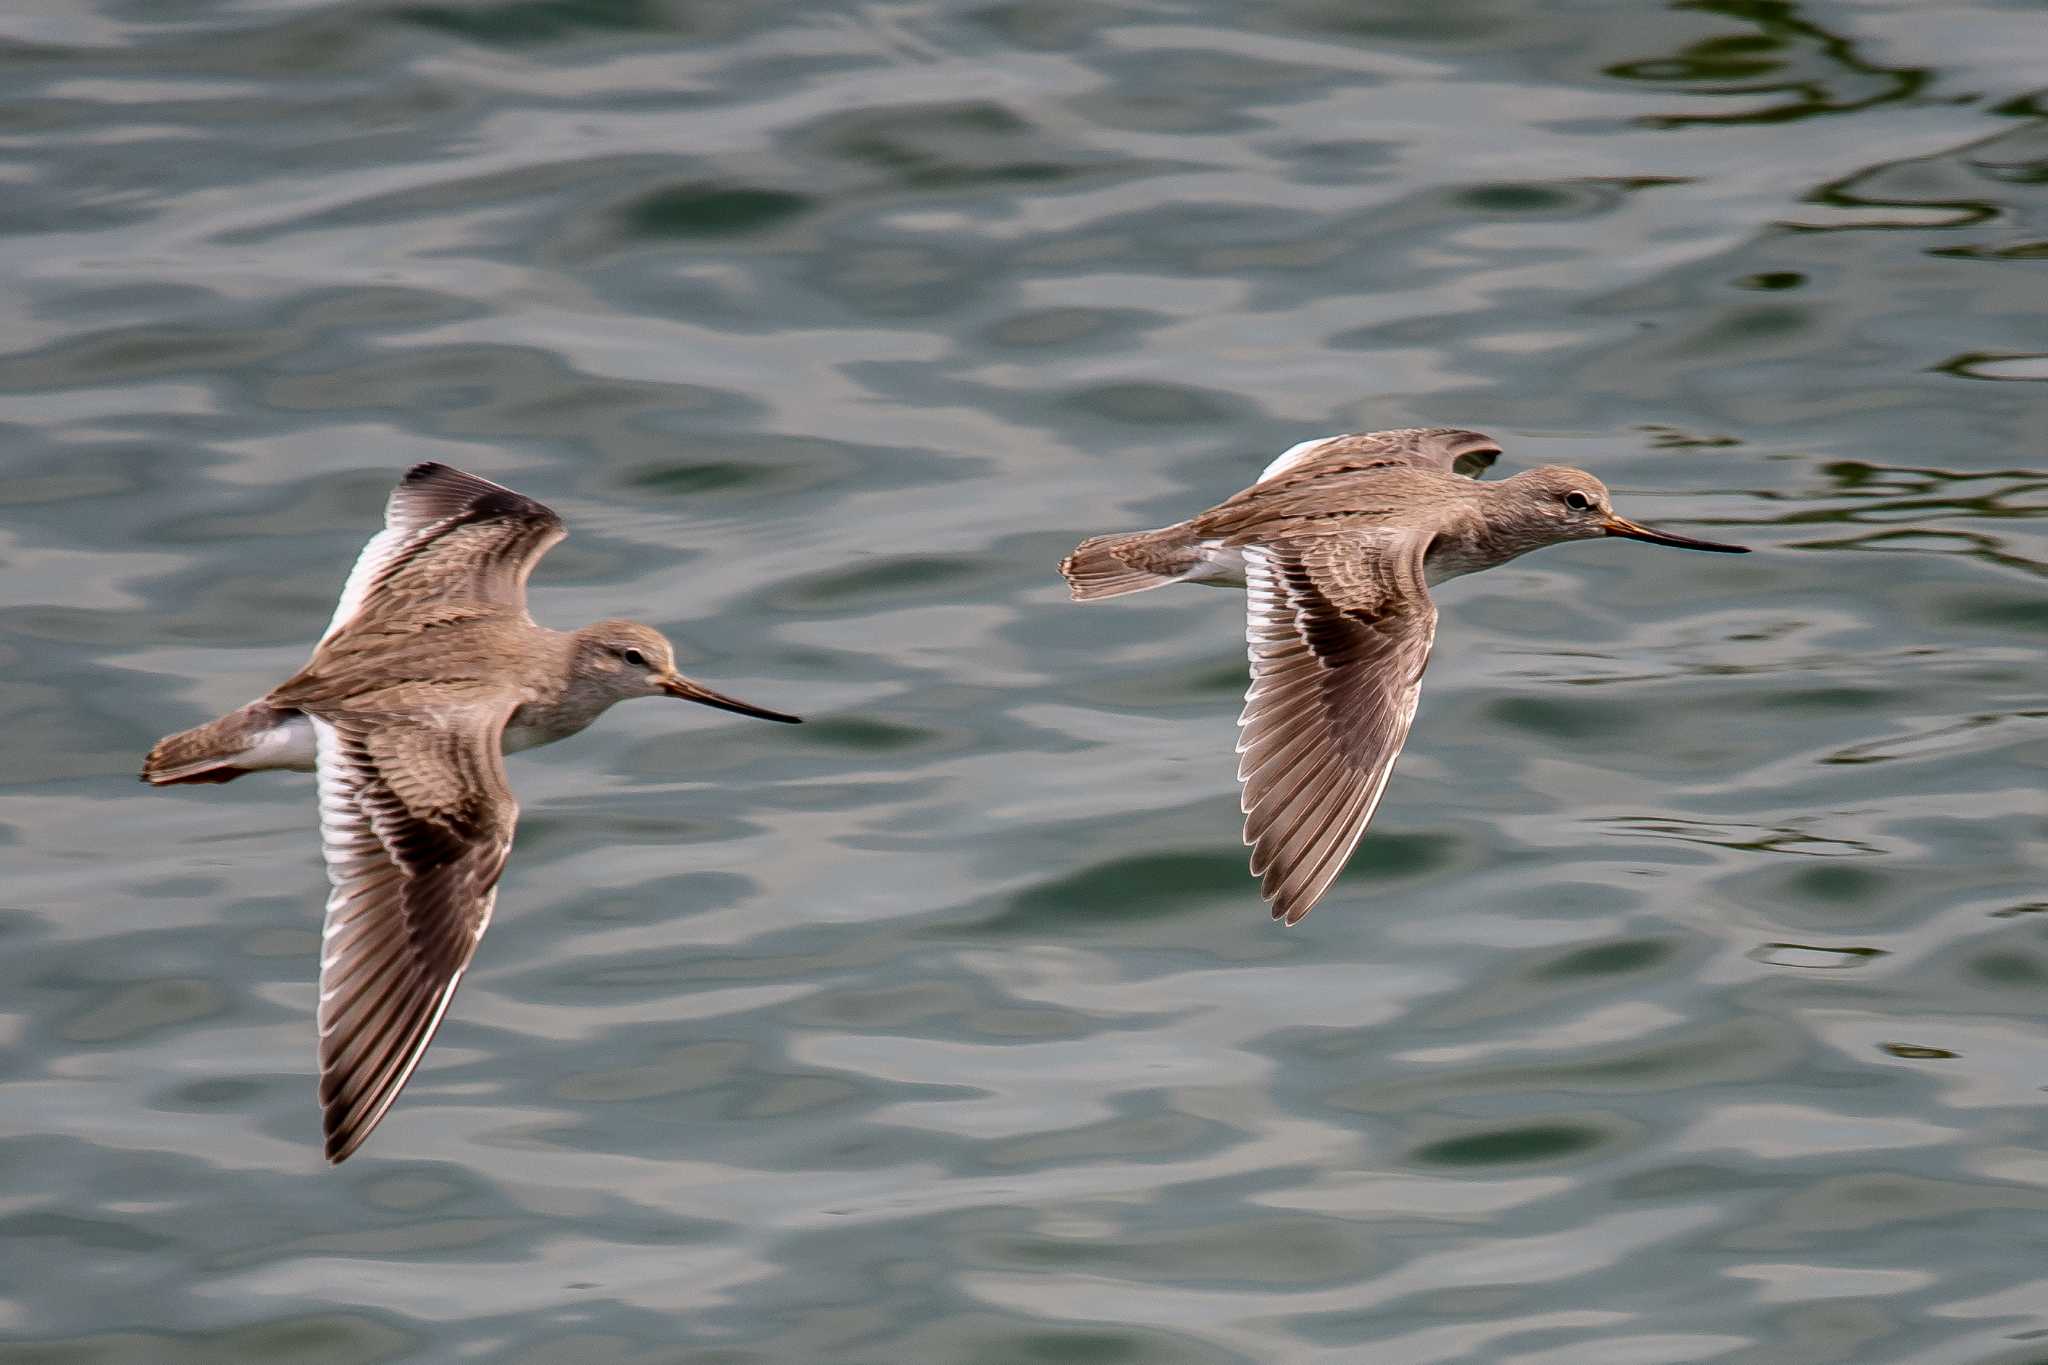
(1338,544)
(430,671)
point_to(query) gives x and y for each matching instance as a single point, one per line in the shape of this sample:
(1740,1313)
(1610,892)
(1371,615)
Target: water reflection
(1784,52)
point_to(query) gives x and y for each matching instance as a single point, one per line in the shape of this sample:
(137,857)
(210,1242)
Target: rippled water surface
(1685,1002)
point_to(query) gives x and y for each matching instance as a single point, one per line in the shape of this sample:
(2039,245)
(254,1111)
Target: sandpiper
(1338,544)
(429,672)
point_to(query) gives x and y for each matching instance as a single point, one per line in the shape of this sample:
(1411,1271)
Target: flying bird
(1337,546)
(430,672)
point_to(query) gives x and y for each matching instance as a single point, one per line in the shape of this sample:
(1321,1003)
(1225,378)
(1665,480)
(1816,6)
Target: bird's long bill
(1622,526)
(676,685)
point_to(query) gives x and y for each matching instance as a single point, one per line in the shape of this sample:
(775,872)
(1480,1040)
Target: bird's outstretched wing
(451,541)
(1339,630)
(1449,450)
(416,821)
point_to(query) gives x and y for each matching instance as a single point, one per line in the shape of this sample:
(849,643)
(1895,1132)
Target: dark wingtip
(501,502)
(435,490)
(342,1143)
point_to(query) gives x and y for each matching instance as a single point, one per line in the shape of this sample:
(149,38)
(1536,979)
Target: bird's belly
(288,744)
(536,723)
(1442,564)
(519,737)
(1222,565)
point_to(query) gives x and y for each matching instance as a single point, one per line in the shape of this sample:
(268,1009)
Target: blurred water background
(1685,1002)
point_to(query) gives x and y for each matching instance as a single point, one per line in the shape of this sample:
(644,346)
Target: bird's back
(1324,499)
(399,656)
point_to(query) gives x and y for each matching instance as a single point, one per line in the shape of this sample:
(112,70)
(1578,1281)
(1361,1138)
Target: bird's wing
(1339,631)
(449,540)
(416,820)
(1449,450)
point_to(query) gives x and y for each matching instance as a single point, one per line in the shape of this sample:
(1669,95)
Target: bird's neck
(1469,542)
(559,710)
(537,723)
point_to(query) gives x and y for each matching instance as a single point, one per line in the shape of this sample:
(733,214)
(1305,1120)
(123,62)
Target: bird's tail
(1110,566)
(256,736)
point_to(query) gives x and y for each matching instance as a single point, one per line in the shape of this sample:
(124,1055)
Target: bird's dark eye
(634,657)
(1578,502)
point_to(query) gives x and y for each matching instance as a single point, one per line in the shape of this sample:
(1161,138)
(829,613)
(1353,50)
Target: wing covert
(449,539)
(1449,450)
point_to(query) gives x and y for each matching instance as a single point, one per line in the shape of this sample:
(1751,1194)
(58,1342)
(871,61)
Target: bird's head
(1560,503)
(624,659)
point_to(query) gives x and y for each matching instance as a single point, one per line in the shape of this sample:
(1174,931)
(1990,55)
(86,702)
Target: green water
(1685,1002)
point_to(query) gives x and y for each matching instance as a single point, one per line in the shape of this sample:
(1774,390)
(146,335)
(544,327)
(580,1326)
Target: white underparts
(519,737)
(289,744)
(1222,565)
(294,744)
